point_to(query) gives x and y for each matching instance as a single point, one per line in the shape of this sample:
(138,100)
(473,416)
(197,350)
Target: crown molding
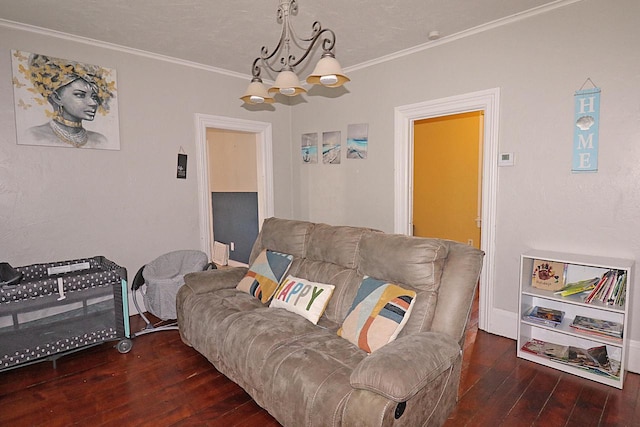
(463,34)
(116,47)
(405,52)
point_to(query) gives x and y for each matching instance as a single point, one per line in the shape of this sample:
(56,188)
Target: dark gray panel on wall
(235,219)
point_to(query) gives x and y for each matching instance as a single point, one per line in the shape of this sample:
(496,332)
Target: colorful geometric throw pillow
(265,274)
(303,297)
(378,314)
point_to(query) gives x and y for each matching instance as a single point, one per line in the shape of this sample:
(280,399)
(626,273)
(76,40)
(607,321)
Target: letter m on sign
(585,131)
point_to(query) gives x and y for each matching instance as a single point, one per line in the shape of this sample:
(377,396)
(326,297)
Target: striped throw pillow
(378,314)
(265,274)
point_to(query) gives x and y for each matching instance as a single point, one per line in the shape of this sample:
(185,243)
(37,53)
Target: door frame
(405,116)
(264,160)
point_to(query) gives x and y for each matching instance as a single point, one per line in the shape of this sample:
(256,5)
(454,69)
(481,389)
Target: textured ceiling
(228,34)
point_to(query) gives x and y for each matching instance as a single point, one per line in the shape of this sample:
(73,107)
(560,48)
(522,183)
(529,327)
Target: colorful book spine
(611,288)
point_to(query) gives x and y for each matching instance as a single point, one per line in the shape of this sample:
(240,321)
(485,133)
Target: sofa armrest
(203,282)
(401,368)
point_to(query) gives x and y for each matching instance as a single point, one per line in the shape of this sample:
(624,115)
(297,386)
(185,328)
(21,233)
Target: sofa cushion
(246,340)
(403,259)
(201,317)
(265,274)
(335,244)
(345,280)
(411,262)
(283,235)
(379,312)
(307,381)
(303,297)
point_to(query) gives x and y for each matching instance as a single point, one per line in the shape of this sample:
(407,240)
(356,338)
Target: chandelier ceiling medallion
(327,71)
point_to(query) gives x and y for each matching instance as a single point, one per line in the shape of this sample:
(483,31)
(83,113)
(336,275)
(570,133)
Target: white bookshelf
(579,267)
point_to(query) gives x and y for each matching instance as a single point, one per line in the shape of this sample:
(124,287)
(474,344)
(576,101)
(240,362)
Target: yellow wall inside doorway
(446,179)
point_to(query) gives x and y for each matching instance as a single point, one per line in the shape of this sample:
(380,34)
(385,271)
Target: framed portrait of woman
(64,103)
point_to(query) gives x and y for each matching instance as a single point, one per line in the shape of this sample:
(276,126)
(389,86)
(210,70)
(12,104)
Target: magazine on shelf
(547,349)
(603,327)
(544,316)
(548,275)
(593,359)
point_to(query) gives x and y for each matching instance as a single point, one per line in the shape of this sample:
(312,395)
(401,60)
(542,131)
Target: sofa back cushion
(412,262)
(283,235)
(345,280)
(335,244)
(331,258)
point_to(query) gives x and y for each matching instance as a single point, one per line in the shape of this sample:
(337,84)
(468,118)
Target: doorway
(487,101)
(263,165)
(233,186)
(447,177)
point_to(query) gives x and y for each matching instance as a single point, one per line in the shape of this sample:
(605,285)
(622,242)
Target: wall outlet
(470,242)
(232,246)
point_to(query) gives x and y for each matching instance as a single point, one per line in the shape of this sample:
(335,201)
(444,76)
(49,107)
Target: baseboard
(633,359)
(505,324)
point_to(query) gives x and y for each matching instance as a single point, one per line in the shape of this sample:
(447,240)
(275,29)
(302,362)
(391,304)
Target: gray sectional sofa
(306,374)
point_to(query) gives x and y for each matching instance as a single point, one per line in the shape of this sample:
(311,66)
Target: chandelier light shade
(328,72)
(282,61)
(257,93)
(287,83)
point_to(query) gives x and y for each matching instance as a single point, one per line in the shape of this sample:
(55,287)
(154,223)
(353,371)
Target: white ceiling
(229,34)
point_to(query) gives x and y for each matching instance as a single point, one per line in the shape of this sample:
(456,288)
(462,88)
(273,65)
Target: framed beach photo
(64,103)
(331,147)
(357,141)
(309,147)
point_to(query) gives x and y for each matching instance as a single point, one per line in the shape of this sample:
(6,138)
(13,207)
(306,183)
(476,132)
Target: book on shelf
(611,289)
(578,287)
(594,359)
(602,327)
(544,316)
(548,275)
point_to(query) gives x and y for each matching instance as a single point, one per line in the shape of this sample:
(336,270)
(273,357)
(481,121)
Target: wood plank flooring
(162,382)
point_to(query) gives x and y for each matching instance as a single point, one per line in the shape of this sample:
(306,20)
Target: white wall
(63,203)
(538,63)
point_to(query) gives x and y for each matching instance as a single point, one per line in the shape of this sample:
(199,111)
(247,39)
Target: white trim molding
(633,357)
(489,102)
(264,154)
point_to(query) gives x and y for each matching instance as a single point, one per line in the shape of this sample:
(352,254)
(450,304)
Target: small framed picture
(182,166)
(357,141)
(309,147)
(331,147)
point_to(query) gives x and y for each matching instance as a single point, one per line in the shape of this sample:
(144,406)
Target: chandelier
(327,71)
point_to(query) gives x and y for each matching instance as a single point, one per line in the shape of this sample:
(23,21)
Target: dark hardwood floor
(162,382)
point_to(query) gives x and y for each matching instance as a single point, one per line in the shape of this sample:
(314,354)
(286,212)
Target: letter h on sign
(587,126)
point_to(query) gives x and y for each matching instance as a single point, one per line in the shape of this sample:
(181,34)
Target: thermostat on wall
(506,159)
